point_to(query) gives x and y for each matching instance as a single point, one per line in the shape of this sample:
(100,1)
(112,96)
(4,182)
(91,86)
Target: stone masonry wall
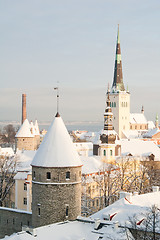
(12,220)
(50,198)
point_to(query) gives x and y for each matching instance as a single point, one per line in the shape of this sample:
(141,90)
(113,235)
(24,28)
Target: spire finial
(57,88)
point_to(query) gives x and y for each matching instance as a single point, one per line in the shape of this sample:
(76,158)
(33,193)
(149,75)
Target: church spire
(118,76)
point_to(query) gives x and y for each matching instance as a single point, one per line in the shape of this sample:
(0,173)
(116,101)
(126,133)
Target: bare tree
(7,172)
(9,133)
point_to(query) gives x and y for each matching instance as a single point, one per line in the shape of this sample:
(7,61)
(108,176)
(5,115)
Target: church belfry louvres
(119,97)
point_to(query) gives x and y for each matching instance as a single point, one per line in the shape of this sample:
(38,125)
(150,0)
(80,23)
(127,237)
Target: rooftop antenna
(57,88)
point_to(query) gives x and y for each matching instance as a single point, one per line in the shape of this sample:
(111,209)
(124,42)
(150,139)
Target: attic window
(67,175)
(48,175)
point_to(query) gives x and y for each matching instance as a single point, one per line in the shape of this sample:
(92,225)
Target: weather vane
(57,88)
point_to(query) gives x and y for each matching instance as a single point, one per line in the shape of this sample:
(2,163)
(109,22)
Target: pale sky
(73,42)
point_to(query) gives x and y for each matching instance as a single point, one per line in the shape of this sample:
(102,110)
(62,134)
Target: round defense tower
(56,178)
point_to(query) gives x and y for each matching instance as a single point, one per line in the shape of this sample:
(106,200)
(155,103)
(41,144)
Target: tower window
(39,211)
(48,175)
(25,187)
(104,152)
(34,175)
(67,175)
(67,208)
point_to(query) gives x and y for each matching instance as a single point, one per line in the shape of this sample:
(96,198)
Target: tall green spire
(118,76)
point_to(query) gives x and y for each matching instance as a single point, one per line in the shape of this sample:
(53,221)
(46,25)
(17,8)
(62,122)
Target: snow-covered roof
(57,149)
(37,132)
(75,230)
(151,133)
(138,147)
(24,130)
(129,209)
(21,175)
(130,134)
(32,128)
(24,159)
(91,164)
(151,125)
(98,134)
(8,151)
(137,118)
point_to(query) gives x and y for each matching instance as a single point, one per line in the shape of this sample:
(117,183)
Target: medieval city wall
(12,220)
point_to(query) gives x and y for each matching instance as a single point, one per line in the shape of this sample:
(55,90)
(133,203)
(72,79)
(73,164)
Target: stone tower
(56,178)
(119,97)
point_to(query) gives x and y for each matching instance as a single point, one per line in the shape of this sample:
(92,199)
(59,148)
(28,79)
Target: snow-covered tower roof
(24,130)
(57,149)
(37,132)
(32,128)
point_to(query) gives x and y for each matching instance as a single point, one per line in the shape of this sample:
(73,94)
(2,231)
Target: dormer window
(67,175)
(48,175)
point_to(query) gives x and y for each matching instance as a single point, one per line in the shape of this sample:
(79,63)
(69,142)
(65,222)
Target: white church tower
(119,97)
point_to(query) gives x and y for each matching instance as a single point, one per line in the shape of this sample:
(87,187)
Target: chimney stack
(24,114)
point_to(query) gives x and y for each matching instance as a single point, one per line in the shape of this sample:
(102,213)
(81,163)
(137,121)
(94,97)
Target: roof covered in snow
(75,230)
(8,151)
(151,133)
(98,134)
(151,125)
(57,149)
(24,130)
(24,159)
(137,118)
(138,147)
(37,132)
(130,209)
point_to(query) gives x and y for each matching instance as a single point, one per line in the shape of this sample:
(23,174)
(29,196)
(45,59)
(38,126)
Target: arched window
(104,152)
(68,175)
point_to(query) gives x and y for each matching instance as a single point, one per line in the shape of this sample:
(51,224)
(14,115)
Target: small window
(104,152)
(79,173)
(39,211)
(67,175)
(126,104)
(25,201)
(111,152)
(34,174)
(67,208)
(97,202)
(28,223)
(25,187)
(48,175)
(114,104)
(13,221)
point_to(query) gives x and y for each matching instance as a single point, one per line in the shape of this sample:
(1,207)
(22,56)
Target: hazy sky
(73,42)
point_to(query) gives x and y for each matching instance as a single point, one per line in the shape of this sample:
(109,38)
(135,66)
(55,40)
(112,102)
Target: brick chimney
(24,114)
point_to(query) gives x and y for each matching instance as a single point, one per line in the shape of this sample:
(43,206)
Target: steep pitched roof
(138,118)
(118,76)
(57,149)
(24,130)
